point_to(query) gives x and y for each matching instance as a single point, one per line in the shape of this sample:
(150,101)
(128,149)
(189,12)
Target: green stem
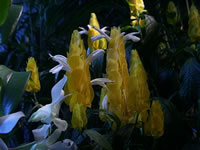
(35,99)
(188,8)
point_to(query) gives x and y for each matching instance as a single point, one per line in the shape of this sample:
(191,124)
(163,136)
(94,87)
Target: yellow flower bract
(154,126)
(33,84)
(98,44)
(78,81)
(194,24)
(128,95)
(172,10)
(136,7)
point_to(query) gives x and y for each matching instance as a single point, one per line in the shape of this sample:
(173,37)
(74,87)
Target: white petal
(58,58)
(62,60)
(95,54)
(56,91)
(101,32)
(83,30)
(43,114)
(8,122)
(104,29)
(66,144)
(101,82)
(105,103)
(56,69)
(60,124)
(41,133)
(55,110)
(98,37)
(53,138)
(131,36)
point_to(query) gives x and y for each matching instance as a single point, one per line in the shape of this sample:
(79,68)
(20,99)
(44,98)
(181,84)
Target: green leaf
(110,115)
(8,27)
(98,138)
(13,87)
(4,8)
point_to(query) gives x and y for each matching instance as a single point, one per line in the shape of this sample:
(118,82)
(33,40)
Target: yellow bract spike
(172,17)
(194,24)
(137,7)
(117,71)
(79,79)
(138,91)
(154,126)
(79,118)
(33,84)
(99,44)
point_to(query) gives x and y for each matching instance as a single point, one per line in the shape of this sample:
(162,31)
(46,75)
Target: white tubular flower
(101,82)
(41,133)
(48,142)
(131,36)
(98,37)
(95,54)
(43,114)
(83,31)
(60,124)
(105,103)
(102,33)
(63,65)
(50,111)
(104,29)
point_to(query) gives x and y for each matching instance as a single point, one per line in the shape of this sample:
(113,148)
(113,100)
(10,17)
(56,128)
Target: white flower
(94,55)
(84,31)
(46,141)
(50,111)
(105,103)
(101,82)
(63,65)
(129,36)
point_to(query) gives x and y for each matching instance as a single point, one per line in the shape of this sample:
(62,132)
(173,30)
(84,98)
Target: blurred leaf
(8,122)
(3,146)
(4,8)
(175,131)
(1,85)
(98,138)
(190,81)
(151,29)
(8,27)
(110,115)
(13,87)
(123,137)
(24,146)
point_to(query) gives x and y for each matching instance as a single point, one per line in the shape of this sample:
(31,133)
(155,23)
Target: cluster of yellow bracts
(127,96)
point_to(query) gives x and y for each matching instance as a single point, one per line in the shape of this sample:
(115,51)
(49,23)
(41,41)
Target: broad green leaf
(4,8)
(8,27)
(14,84)
(8,122)
(98,138)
